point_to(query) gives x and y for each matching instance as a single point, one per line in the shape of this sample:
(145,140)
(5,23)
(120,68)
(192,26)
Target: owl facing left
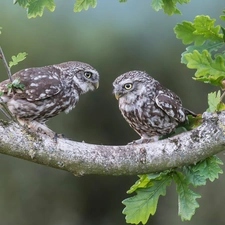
(48,91)
(149,108)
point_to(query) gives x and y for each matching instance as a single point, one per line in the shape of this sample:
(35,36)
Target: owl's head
(131,84)
(83,75)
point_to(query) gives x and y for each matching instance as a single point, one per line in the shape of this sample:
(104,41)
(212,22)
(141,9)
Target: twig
(6,65)
(5,114)
(5,109)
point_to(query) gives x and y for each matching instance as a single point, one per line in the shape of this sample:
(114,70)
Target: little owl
(47,91)
(149,108)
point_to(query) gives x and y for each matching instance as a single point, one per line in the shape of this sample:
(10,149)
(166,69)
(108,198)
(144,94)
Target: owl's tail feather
(189,112)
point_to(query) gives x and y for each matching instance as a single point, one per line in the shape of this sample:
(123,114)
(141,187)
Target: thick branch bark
(81,158)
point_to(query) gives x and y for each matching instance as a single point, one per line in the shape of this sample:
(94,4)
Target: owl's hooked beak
(117,95)
(116,92)
(96,85)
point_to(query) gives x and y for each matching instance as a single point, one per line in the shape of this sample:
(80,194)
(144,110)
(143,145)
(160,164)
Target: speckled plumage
(149,108)
(48,91)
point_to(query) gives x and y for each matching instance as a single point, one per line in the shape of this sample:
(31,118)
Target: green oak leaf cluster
(150,187)
(206,40)
(222,17)
(16,59)
(169,6)
(16,82)
(15,85)
(84,5)
(205,54)
(148,190)
(36,7)
(215,102)
(187,202)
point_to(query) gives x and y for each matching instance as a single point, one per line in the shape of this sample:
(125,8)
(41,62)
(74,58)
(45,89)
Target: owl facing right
(149,108)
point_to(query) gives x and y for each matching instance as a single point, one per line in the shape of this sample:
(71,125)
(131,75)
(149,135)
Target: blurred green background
(114,38)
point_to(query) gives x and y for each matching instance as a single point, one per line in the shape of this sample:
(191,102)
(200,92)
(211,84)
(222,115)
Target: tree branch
(81,158)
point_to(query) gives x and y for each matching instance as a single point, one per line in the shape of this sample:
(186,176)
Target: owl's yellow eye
(128,86)
(88,75)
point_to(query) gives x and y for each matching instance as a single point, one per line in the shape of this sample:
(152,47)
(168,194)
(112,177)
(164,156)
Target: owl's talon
(40,130)
(62,136)
(57,136)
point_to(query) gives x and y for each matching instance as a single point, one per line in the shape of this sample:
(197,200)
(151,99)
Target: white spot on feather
(42,95)
(33,84)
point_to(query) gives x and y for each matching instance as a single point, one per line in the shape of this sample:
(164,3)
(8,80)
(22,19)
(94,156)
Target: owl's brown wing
(172,106)
(38,83)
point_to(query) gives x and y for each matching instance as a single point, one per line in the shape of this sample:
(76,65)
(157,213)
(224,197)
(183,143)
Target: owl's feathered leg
(144,140)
